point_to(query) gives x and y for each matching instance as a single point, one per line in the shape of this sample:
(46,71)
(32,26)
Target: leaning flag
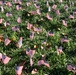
(19,44)
(19,70)
(64,22)
(30,53)
(42,62)
(7,41)
(59,50)
(5,59)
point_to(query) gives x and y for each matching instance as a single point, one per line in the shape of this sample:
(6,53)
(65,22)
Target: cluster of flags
(33,29)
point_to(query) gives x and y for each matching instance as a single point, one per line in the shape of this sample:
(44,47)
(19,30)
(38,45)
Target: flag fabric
(15,28)
(38,11)
(1,20)
(19,43)
(57,12)
(64,40)
(9,4)
(49,17)
(37,6)
(64,22)
(71,17)
(5,59)
(8,14)
(49,9)
(42,62)
(47,3)
(31,61)
(59,50)
(29,26)
(34,71)
(66,7)
(2,9)
(30,53)
(19,70)
(0,56)
(19,20)
(31,35)
(54,6)
(18,7)
(60,1)
(44,42)
(28,3)
(7,41)
(50,33)
(69,67)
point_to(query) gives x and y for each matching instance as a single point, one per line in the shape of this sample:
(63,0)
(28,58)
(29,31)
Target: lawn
(39,35)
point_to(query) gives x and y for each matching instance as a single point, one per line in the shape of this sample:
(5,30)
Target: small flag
(37,6)
(5,59)
(69,67)
(19,70)
(49,17)
(19,20)
(9,4)
(8,14)
(71,17)
(50,33)
(0,56)
(7,41)
(31,35)
(42,62)
(19,44)
(15,28)
(60,1)
(47,3)
(2,9)
(30,53)
(38,11)
(44,42)
(57,12)
(34,71)
(59,50)
(31,61)
(66,7)
(1,20)
(64,22)
(49,9)
(29,26)
(64,40)
(54,6)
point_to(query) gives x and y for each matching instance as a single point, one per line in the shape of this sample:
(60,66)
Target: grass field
(44,43)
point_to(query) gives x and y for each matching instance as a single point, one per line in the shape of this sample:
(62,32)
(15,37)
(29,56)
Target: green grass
(58,63)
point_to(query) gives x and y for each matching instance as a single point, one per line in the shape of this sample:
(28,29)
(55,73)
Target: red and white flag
(19,70)
(71,17)
(50,34)
(49,17)
(30,53)
(59,50)
(64,22)
(64,40)
(5,59)
(19,20)
(19,44)
(15,28)
(1,20)
(54,6)
(8,14)
(29,26)
(7,41)
(31,35)
(45,63)
(57,12)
